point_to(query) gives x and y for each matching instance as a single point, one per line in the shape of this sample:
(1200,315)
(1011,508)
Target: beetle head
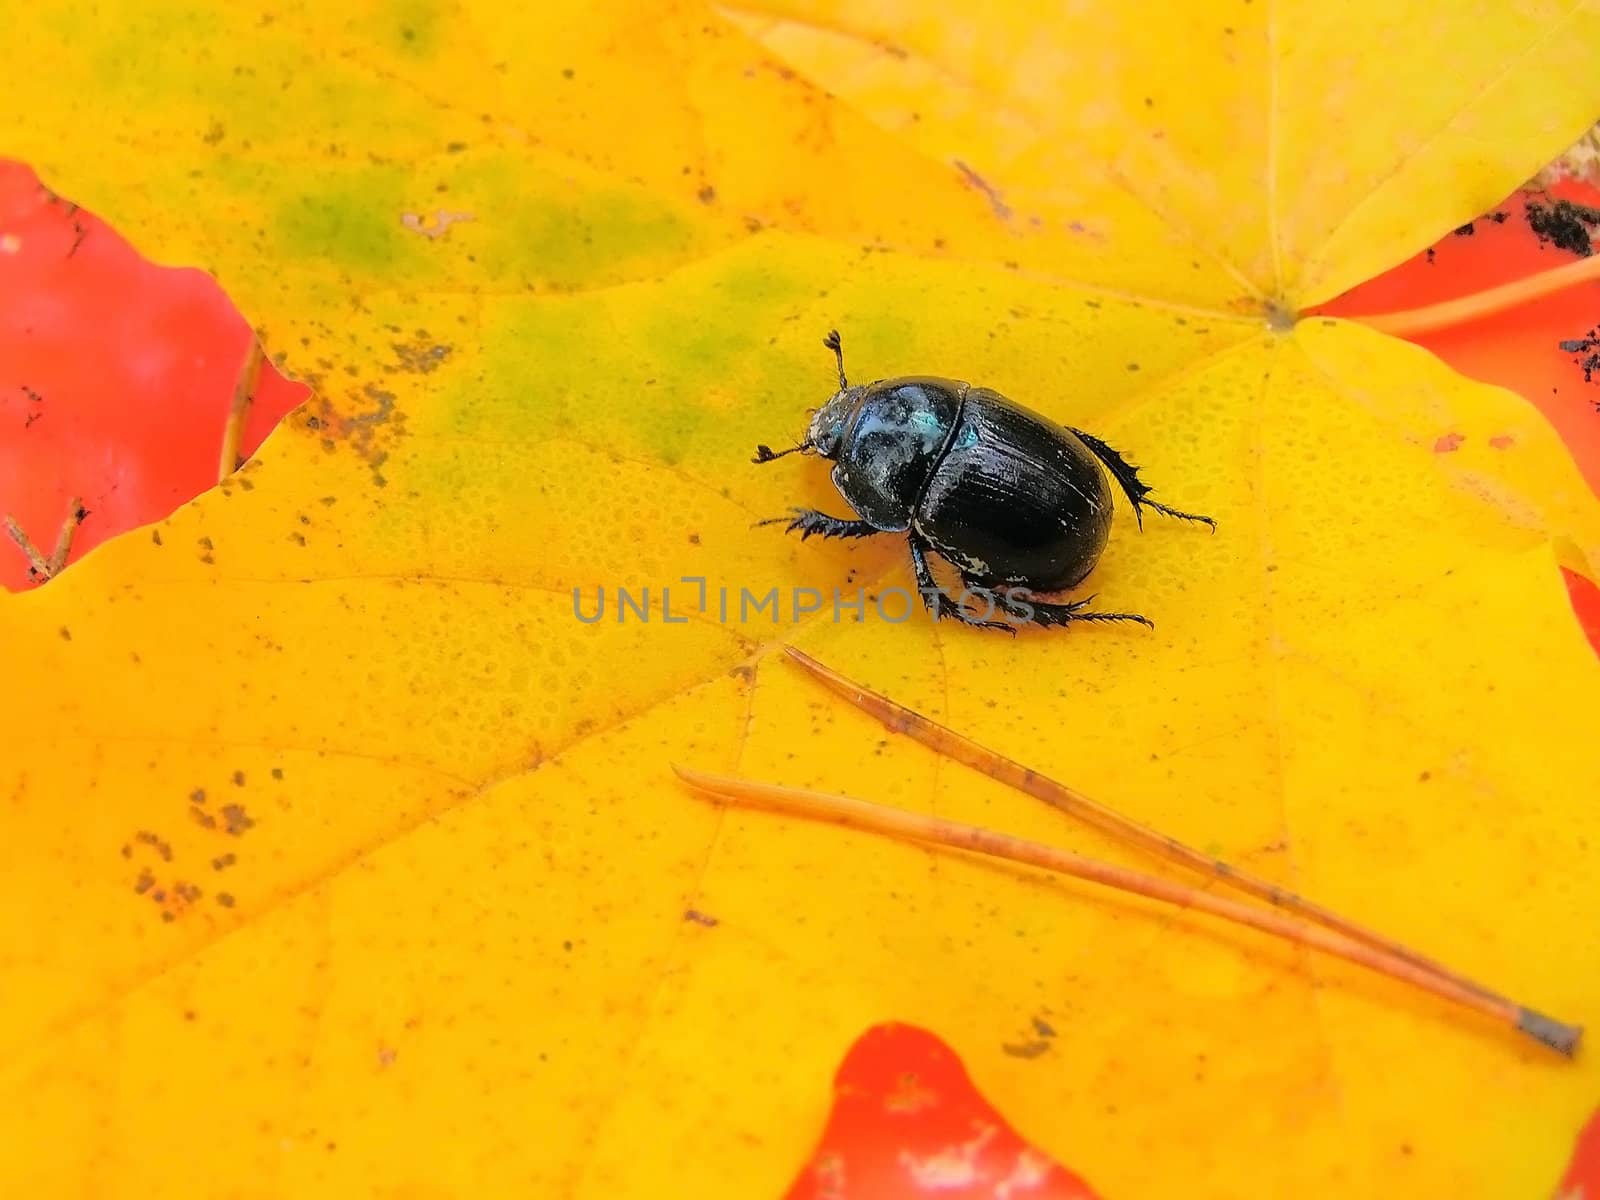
(827,426)
(828,423)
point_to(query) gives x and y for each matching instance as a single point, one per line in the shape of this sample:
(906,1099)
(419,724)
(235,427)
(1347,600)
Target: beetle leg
(1127,475)
(1046,614)
(932,593)
(809,521)
(1028,611)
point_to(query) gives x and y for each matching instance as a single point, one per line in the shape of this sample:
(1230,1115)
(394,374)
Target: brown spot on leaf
(146,838)
(1025,1049)
(367,421)
(1448,443)
(421,355)
(238,820)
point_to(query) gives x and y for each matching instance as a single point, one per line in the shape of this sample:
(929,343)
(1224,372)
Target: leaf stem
(942,740)
(1411,322)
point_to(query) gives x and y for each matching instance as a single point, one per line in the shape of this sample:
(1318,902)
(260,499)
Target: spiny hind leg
(1025,610)
(1127,476)
(933,594)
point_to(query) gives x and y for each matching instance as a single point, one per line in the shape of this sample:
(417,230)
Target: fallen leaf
(1582,1177)
(118,375)
(907,1122)
(1518,348)
(423,870)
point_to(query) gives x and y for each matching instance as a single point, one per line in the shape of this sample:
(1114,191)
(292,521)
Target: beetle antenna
(765,453)
(832,343)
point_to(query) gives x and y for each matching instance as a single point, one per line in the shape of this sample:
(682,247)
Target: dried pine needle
(43,568)
(893,822)
(244,390)
(945,741)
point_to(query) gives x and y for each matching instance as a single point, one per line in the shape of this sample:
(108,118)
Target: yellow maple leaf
(343,856)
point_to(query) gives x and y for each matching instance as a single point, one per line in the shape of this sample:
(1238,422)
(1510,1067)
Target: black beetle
(1015,502)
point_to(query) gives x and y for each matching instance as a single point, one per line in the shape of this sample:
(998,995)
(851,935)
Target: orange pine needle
(40,565)
(1413,321)
(876,818)
(946,741)
(58,560)
(48,568)
(244,390)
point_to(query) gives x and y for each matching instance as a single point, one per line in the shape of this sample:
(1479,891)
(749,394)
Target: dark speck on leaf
(1587,352)
(1429,256)
(1564,225)
(145,838)
(238,779)
(198,796)
(277,772)
(238,820)
(225,899)
(66,634)
(1466,230)
(1026,1049)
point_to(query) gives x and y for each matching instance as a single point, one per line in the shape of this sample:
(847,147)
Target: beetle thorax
(828,425)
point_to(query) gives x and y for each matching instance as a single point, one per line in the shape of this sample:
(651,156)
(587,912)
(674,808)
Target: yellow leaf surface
(344,858)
